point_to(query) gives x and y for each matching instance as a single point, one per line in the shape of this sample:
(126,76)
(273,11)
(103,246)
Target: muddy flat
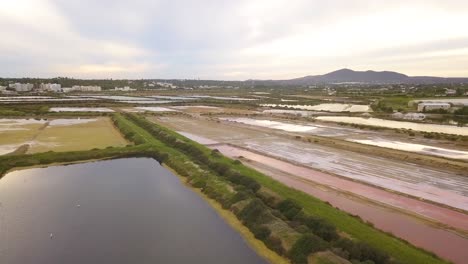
(431,184)
(423,234)
(428,183)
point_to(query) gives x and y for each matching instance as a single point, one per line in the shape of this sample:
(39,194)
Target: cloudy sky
(231,39)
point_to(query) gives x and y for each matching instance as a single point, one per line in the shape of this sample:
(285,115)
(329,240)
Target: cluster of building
(124,89)
(166,85)
(21,87)
(52,87)
(82,88)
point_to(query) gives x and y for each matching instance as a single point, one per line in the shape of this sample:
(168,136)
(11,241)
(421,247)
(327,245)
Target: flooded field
(128,99)
(146,102)
(166,97)
(199,139)
(26,100)
(397,124)
(405,226)
(17,132)
(424,149)
(119,97)
(24,97)
(231,98)
(154,109)
(272,124)
(196,106)
(58,134)
(325,107)
(431,184)
(80,109)
(291,112)
(428,183)
(118,211)
(353,135)
(203,109)
(5,149)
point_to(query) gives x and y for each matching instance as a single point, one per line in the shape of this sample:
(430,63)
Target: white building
(83,88)
(450,91)
(124,89)
(21,87)
(54,87)
(428,106)
(166,85)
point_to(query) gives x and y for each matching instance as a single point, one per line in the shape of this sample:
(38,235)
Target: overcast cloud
(235,40)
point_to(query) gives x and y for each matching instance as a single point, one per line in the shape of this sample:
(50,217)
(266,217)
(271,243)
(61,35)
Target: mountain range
(364,77)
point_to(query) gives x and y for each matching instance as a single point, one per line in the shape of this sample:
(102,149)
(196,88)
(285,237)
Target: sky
(231,39)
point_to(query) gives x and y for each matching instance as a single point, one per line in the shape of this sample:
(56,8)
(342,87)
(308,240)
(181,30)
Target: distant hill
(366,77)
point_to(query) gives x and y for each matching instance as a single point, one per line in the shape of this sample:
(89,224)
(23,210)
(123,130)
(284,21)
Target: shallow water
(118,211)
(5,122)
(70,122)
(353,135)
(146,102)
(195,106)
(326,107)
(309,128)
(46,100)
(23,97)
(434,185)
(397,124)
(119,97)
(80,109)
(199,139)
(272,124)
(154,109)
(420,148)
(290,112)
(166,97)
(5,149)
(224,98)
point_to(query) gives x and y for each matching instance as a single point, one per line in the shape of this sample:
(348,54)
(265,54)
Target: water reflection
(130,211)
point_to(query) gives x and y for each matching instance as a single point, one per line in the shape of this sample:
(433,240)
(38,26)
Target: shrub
(304,246)
(261,232)
(256,212)
(289,208)
(361,251)
(274,243)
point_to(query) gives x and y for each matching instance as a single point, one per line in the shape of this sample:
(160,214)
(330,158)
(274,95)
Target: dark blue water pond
(118,211)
